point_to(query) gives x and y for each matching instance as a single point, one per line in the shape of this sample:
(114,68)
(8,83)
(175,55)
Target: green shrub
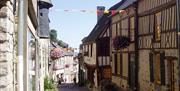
(48,83)
(86,82)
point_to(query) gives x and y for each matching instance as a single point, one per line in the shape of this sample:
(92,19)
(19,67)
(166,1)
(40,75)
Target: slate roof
(105,20)
(116,6)
(45,3)
(70,53)
(126,3)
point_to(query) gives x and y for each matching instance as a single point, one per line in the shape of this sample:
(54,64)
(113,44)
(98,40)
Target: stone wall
(44,58)
(144,71)
(122,83)
(7,47)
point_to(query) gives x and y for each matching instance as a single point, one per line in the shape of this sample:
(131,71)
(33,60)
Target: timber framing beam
(157,9)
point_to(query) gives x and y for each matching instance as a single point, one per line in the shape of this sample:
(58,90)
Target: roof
(70,53)
(126,3)
(116,6)
(83,39)
(102,23)
(45,3)
(122,4)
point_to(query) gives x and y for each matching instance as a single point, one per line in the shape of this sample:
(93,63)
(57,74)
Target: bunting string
(89,11)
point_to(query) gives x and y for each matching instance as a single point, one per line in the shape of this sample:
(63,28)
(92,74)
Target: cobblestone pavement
(71,87)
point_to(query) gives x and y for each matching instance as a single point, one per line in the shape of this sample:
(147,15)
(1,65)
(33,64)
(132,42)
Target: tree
(53,35)
(62,44)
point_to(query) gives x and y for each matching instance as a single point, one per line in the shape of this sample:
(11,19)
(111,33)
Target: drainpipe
(178,31)
(37,63)
(37,69)
(22,16)
(136,85)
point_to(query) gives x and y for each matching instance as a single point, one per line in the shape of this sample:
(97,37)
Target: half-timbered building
(157,44)
(96,52)
(123,48)
(143,45)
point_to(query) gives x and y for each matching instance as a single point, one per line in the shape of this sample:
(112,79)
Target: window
(31,58)
(124,27)
(86,48)
(157,31)
(157,67)
(125,64)
(157,75)
(118,64)
(103,46)
(41,14)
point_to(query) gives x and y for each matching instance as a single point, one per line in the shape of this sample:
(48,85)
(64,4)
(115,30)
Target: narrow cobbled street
(89,45)
(71,87)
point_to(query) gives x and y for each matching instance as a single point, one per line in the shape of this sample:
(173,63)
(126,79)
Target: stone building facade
(158,49)
(144,45)
(8,46)
(123,48)
(151,61)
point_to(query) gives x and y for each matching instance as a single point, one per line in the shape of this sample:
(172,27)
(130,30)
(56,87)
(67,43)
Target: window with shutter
(157,67)
(157,70)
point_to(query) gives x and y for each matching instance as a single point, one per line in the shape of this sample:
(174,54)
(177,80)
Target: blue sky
(72,27)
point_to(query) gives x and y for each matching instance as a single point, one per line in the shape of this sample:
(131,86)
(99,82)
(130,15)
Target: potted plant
(56,53)
(121,42)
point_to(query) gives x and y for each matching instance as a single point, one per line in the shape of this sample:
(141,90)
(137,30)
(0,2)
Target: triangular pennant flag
(113,12)
(122,11)
(99,11)
(106,11)
(66,10)
(83,10)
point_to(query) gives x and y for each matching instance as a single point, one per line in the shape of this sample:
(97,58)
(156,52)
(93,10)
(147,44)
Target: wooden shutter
(151,67)
(115,62)
(162,57)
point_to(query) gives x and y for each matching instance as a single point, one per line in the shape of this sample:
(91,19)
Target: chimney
(100,12)
(44,6)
